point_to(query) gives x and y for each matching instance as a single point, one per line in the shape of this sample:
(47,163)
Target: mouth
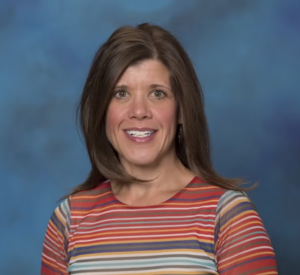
(139,134)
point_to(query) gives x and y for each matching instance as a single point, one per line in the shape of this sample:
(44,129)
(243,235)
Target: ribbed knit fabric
(203,229)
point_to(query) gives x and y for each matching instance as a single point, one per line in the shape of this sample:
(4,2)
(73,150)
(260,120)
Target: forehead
(146,72)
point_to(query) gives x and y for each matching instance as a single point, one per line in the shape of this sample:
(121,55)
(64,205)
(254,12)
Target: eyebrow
(153,86)
(121,87)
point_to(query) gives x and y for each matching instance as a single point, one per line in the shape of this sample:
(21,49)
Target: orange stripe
(74,199)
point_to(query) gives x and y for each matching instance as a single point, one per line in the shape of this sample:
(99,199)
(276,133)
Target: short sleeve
(242,245)
(55,247)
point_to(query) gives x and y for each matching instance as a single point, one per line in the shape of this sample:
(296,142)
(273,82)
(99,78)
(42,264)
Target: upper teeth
(140,133)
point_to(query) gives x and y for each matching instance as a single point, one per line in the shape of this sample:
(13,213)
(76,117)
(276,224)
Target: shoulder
(62,211)
(203,190)
(224,196)
(236,201)
(235,209)
(222,200)
(83,198)
(80,204)
(91,196)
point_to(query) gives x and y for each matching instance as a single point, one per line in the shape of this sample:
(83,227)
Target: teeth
(140,133)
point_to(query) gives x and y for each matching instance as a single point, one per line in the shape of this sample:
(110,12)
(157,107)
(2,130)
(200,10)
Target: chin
(140,160)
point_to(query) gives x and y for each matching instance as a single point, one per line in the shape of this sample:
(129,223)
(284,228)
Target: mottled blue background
(247,56)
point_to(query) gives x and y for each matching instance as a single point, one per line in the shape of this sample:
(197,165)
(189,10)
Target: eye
(159,94)
(120,94)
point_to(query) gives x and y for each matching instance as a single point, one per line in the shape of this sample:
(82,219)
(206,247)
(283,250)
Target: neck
(164,178)
(155,171)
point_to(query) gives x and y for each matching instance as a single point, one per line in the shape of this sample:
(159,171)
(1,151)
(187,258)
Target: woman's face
(141,118)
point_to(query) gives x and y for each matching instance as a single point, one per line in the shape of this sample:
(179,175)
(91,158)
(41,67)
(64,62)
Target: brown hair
(125,47)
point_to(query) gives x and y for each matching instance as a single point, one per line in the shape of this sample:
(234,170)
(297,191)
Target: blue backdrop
(246,54)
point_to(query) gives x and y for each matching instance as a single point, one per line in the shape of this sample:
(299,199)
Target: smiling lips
(140,135)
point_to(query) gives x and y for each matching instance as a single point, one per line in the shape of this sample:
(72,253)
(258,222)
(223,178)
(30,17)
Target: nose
(140,108)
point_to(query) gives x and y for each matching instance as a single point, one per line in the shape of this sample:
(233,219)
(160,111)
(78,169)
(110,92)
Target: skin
(144,98)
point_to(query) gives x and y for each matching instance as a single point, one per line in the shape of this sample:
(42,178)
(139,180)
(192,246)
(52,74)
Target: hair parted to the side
(125,47)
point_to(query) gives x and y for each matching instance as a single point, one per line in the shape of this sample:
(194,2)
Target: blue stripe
(58,224)
(143,246)
(242,206)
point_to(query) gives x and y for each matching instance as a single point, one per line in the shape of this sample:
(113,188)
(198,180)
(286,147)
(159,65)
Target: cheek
(111,121)
(168,116)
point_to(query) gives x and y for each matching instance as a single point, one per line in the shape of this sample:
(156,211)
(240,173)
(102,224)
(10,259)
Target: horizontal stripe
(203,229)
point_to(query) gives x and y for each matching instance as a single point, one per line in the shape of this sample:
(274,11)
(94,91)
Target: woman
(152,203)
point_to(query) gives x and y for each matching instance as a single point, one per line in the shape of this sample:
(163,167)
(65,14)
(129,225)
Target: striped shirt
(203,229)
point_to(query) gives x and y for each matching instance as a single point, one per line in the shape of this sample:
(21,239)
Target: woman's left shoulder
(233,198)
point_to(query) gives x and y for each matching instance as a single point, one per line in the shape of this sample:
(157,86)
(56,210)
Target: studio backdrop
(247,57)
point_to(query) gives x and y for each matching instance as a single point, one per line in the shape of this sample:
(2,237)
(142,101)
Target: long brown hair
(125,47)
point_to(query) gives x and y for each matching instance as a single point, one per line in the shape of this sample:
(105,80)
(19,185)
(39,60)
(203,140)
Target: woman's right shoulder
(87,198)
(82,202)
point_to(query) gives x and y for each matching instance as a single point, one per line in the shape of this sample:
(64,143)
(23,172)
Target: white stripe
(163,217)
(170,226)
(142,218)
(135,263)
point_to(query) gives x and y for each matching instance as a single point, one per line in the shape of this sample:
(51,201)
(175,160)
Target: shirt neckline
(176,195)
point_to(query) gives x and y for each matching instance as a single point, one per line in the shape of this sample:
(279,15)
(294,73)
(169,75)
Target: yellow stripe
(178,272)
(144,253)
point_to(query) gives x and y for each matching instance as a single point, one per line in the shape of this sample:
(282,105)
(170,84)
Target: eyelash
(117,93)
(161,92)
